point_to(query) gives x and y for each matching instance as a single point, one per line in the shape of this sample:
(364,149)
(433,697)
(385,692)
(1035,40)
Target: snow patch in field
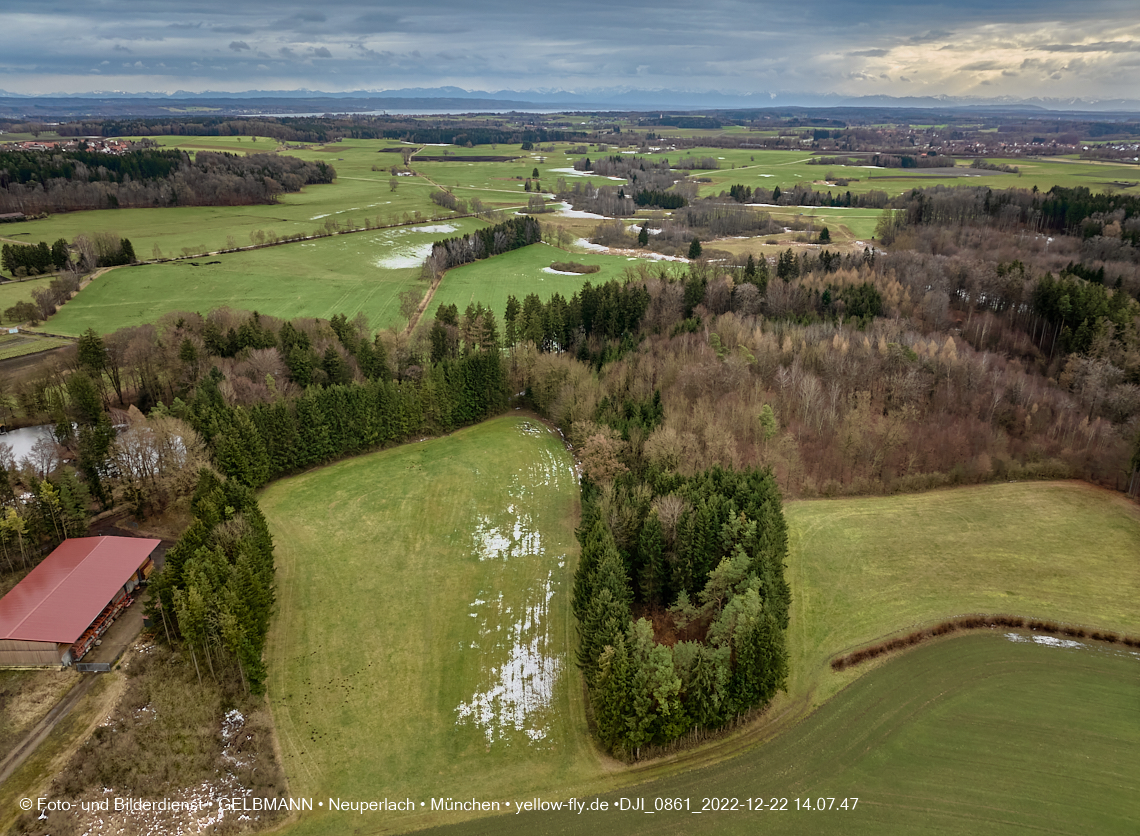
(405,258)
(1047,641)
(521,689)
(516,538)
(573,172)
(590,245)
(433,228)
(1050,641)
(560,272)
(339,212)
(546,471)
(565,211)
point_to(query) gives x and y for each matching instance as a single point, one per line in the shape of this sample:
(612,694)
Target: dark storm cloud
(746,45)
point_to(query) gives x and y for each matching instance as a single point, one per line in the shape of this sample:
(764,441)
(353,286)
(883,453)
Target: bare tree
(43,458)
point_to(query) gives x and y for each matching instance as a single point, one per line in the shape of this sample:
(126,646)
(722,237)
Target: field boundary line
(969,623)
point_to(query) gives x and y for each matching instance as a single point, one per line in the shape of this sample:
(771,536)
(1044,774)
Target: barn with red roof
(57,613)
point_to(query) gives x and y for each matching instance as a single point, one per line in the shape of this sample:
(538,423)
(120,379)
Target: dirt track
(44,727)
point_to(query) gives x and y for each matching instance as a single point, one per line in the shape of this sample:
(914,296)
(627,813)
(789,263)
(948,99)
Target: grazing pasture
(362,194)
(356,194)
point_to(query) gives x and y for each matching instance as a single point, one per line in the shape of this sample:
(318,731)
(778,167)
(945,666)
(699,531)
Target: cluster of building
(96,144)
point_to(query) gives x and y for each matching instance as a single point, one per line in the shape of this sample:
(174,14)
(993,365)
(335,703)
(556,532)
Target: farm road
(45,726)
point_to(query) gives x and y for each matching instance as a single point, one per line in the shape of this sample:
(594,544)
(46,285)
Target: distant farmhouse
(55,615)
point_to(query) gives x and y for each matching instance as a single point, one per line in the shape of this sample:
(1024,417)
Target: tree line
(36,182)
(802,195)
(1076,211)
(482,243)
(215,590)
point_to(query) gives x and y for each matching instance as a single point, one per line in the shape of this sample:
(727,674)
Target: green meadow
(423,640)
(358,193)
(863,569)
(519,273)
(13,292)
(362,272)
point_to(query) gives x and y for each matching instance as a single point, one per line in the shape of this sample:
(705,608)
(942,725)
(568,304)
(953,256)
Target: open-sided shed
(55,614)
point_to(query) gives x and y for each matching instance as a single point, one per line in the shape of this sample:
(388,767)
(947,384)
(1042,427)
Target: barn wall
(25,654)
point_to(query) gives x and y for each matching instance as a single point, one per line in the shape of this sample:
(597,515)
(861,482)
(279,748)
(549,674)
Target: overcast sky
(1022,48)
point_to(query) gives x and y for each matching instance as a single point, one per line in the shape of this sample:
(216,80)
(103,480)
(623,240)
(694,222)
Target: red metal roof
(60,598)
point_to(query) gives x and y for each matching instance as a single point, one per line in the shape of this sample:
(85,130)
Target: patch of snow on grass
(430,228)
(566,212)
(1050,641)
(516,538)
(1047,641)
(405,258)
(522,688)
(590,245)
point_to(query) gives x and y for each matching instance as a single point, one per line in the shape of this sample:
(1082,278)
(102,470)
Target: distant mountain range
(411,99)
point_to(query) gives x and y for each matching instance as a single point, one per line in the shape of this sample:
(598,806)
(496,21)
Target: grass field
(361,272)
(974,734)
(520,272)
(859,569)
(13,292)
(860,223)
(209,228)
(423,635)
(358,192)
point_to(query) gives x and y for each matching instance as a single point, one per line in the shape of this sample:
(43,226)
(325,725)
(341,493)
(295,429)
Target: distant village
(95,144)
